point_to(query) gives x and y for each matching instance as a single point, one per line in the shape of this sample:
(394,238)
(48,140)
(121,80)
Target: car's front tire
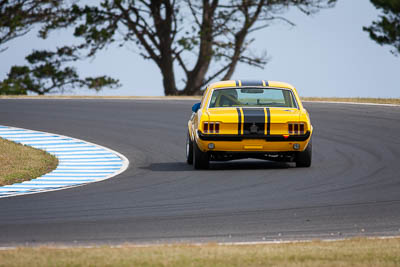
(189,150)
(201,159)
(303,158)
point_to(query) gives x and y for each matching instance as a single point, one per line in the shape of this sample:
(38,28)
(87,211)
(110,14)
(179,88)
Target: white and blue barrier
(79,162)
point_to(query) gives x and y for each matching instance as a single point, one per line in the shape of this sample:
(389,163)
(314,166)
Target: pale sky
(327,54)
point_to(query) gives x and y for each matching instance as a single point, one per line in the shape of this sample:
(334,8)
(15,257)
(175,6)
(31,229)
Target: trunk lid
(249,121)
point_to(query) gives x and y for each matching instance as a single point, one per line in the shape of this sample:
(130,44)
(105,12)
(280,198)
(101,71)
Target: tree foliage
(197,41)
(17,17)
(47,73)
(386,30)
(200,40)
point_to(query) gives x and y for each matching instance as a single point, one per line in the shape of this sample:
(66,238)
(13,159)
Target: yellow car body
(224,127)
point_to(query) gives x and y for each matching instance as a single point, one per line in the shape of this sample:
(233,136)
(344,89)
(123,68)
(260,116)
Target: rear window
(252,97)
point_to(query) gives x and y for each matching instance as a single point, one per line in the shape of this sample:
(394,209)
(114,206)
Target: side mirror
(196,107)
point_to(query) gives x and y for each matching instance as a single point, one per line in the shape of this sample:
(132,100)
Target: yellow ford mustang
(249,119)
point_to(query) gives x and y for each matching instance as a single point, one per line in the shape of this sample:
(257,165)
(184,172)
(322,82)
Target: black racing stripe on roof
(252,83)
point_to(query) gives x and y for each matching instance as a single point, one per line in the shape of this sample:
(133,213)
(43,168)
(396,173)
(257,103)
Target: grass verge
(354,252)
(94,97)
(21,163)
(394,101)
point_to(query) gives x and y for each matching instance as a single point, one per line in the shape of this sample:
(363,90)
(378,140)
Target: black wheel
(303,159)
(201,159)
(189,150)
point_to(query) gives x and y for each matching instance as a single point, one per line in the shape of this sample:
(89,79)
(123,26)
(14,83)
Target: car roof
(241,83)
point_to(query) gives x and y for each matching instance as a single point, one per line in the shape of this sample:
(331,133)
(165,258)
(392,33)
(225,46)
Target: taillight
(302,128)
(205,127)
(217,127)
(296,128)
(211,127)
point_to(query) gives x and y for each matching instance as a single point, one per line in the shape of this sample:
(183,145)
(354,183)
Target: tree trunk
(239,40)
(167,71)
(196,77)
(164,32)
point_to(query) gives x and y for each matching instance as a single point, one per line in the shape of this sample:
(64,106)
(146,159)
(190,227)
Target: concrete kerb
(9,191)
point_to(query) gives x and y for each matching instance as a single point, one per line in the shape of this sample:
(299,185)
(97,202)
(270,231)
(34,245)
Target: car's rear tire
(189,150)
(201,159)
(303,158)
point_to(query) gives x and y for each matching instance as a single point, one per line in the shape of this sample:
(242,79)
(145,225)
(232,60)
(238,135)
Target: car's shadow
(219,166)
(168,167)
(248,165)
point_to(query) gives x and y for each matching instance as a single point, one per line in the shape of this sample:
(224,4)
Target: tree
(184,35)
(47,71)
(17,17)
(46,74)
(386,31)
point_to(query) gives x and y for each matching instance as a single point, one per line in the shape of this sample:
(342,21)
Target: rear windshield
(252,97)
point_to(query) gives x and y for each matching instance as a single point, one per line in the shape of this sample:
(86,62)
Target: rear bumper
(238,138)
(251,143)
(232,155)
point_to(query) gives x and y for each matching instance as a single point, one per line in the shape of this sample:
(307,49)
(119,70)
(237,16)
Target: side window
(213,100)
(289,99)
(203,98)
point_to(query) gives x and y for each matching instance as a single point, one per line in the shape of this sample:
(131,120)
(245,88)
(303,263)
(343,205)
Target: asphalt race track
(352,188)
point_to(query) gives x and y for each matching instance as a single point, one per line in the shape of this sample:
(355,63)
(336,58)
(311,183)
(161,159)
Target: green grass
(395,101)
(355,252)
(93,97)
(20,163)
